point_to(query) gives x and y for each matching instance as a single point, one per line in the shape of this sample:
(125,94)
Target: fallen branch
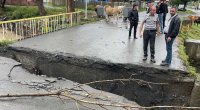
(77,106)
(9,74)
(125,80)
(139,81)
(130,106)
(96,103)
(30,95)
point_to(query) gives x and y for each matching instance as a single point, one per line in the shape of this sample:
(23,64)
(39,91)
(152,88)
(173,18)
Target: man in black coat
(159,11)
(165,10)
(133,18)
(171,31)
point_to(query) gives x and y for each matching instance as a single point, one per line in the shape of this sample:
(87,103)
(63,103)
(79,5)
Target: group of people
(153,25)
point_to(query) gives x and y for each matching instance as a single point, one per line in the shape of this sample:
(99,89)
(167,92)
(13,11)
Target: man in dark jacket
(159,11)
(133,18)
(171,31)
(165,10)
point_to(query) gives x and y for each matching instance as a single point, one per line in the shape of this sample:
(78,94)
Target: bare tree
(41,7)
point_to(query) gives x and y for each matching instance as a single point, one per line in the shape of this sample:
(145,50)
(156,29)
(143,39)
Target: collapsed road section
(147,85)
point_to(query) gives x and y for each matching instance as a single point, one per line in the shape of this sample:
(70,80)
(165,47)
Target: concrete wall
(193,49)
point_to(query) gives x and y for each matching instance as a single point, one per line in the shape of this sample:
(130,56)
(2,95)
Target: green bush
(91,7)
(5,42)
(21,12)
(51,11)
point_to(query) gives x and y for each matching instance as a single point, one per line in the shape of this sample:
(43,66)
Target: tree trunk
(2,3)
(185,4)
(139,4)
(41,7)
(66,4)
(71,5)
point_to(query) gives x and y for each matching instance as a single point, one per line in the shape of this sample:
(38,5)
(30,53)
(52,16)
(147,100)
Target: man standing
(159,11)
(149,5)
(165,10)
(171,31)
(133,18)
(151,25)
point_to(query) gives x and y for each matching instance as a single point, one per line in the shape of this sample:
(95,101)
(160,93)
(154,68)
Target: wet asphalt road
(105,40)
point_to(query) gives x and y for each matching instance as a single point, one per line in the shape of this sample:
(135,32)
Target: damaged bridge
(102,52)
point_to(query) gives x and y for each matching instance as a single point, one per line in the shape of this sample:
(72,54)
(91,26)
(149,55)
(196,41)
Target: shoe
(153,60)
(163,61)
(129,37)
(164,64)
(135,37)
(144,59)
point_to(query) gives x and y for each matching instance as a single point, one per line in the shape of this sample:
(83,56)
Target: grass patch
(4,43)
(20,12)
(191,34)
(186,12)
(194,32)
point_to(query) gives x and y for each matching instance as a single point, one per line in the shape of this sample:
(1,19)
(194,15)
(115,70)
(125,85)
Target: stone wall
(193,49)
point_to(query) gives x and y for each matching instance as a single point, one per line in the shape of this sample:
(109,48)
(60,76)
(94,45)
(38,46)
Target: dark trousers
(135,29)
(149,36)
(164,18)
(168,58)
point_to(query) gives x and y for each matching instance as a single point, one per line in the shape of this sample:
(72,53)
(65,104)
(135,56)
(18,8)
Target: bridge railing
(30,27)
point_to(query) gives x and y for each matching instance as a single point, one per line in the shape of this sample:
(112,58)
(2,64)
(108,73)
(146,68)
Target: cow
(110,11)
(193,19)
(197,20)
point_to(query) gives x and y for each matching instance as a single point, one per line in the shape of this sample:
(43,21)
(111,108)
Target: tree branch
(30,95)
(125,80)
(125,106)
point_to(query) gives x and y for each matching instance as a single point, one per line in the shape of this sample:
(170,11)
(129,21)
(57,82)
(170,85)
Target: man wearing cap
(149,5)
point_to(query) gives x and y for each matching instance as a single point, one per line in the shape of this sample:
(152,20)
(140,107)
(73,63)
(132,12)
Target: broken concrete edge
(192,47)
(92,62)
(193,41)
(83,69)
(195,96)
